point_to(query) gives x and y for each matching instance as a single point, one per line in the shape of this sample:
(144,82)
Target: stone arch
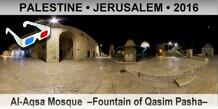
(66,45)
(80,43)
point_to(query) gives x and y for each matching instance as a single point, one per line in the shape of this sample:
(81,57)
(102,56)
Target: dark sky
(188,31)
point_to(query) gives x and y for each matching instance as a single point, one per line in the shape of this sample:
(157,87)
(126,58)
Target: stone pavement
(166,66)
(99,76)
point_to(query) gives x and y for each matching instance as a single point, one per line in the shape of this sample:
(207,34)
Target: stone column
(189,53)
(52,52)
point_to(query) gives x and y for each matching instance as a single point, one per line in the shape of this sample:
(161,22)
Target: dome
(208,46)
(111,46)
(129,42)
(13,46)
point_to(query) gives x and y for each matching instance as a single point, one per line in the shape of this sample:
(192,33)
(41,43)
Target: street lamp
(176,44)
(170,43)
(145,45)
(54,20)
(101,49)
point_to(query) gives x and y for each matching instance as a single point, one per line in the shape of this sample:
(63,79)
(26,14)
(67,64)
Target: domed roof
(111,46)
(130,42)
(13,46)
(208,45)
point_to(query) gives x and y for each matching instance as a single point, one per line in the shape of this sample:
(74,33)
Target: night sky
(188,31)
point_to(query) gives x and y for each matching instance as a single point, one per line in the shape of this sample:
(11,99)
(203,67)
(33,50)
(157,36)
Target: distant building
(111,50)
(130,51)
(161,48)
(6,53)
(169,49)
(16,51)
(207,50)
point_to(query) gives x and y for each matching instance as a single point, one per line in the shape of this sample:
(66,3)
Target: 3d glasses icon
(45,32)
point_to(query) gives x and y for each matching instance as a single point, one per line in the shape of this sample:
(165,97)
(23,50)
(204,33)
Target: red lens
(44,34)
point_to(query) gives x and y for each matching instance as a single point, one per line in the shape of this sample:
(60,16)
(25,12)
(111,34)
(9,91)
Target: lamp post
(101,45)
(169,45)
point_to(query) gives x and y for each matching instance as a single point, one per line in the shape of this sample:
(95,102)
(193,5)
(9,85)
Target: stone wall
(83,45)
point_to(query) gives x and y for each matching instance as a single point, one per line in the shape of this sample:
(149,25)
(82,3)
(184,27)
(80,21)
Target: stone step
(185,80)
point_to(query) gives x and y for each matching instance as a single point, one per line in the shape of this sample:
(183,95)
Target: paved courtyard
(167,66)
(101,75)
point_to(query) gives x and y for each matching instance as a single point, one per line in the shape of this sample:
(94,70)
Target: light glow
(176,44)
(54,20)
(145,44)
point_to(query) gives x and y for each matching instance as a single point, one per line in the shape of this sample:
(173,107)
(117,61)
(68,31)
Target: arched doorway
(66,40)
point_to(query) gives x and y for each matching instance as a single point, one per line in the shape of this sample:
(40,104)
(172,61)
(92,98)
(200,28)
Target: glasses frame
(22,42)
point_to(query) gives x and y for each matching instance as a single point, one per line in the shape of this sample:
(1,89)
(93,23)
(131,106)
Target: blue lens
(29,41)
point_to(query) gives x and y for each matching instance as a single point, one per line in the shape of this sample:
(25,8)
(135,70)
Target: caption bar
(109,7)
(106,101)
